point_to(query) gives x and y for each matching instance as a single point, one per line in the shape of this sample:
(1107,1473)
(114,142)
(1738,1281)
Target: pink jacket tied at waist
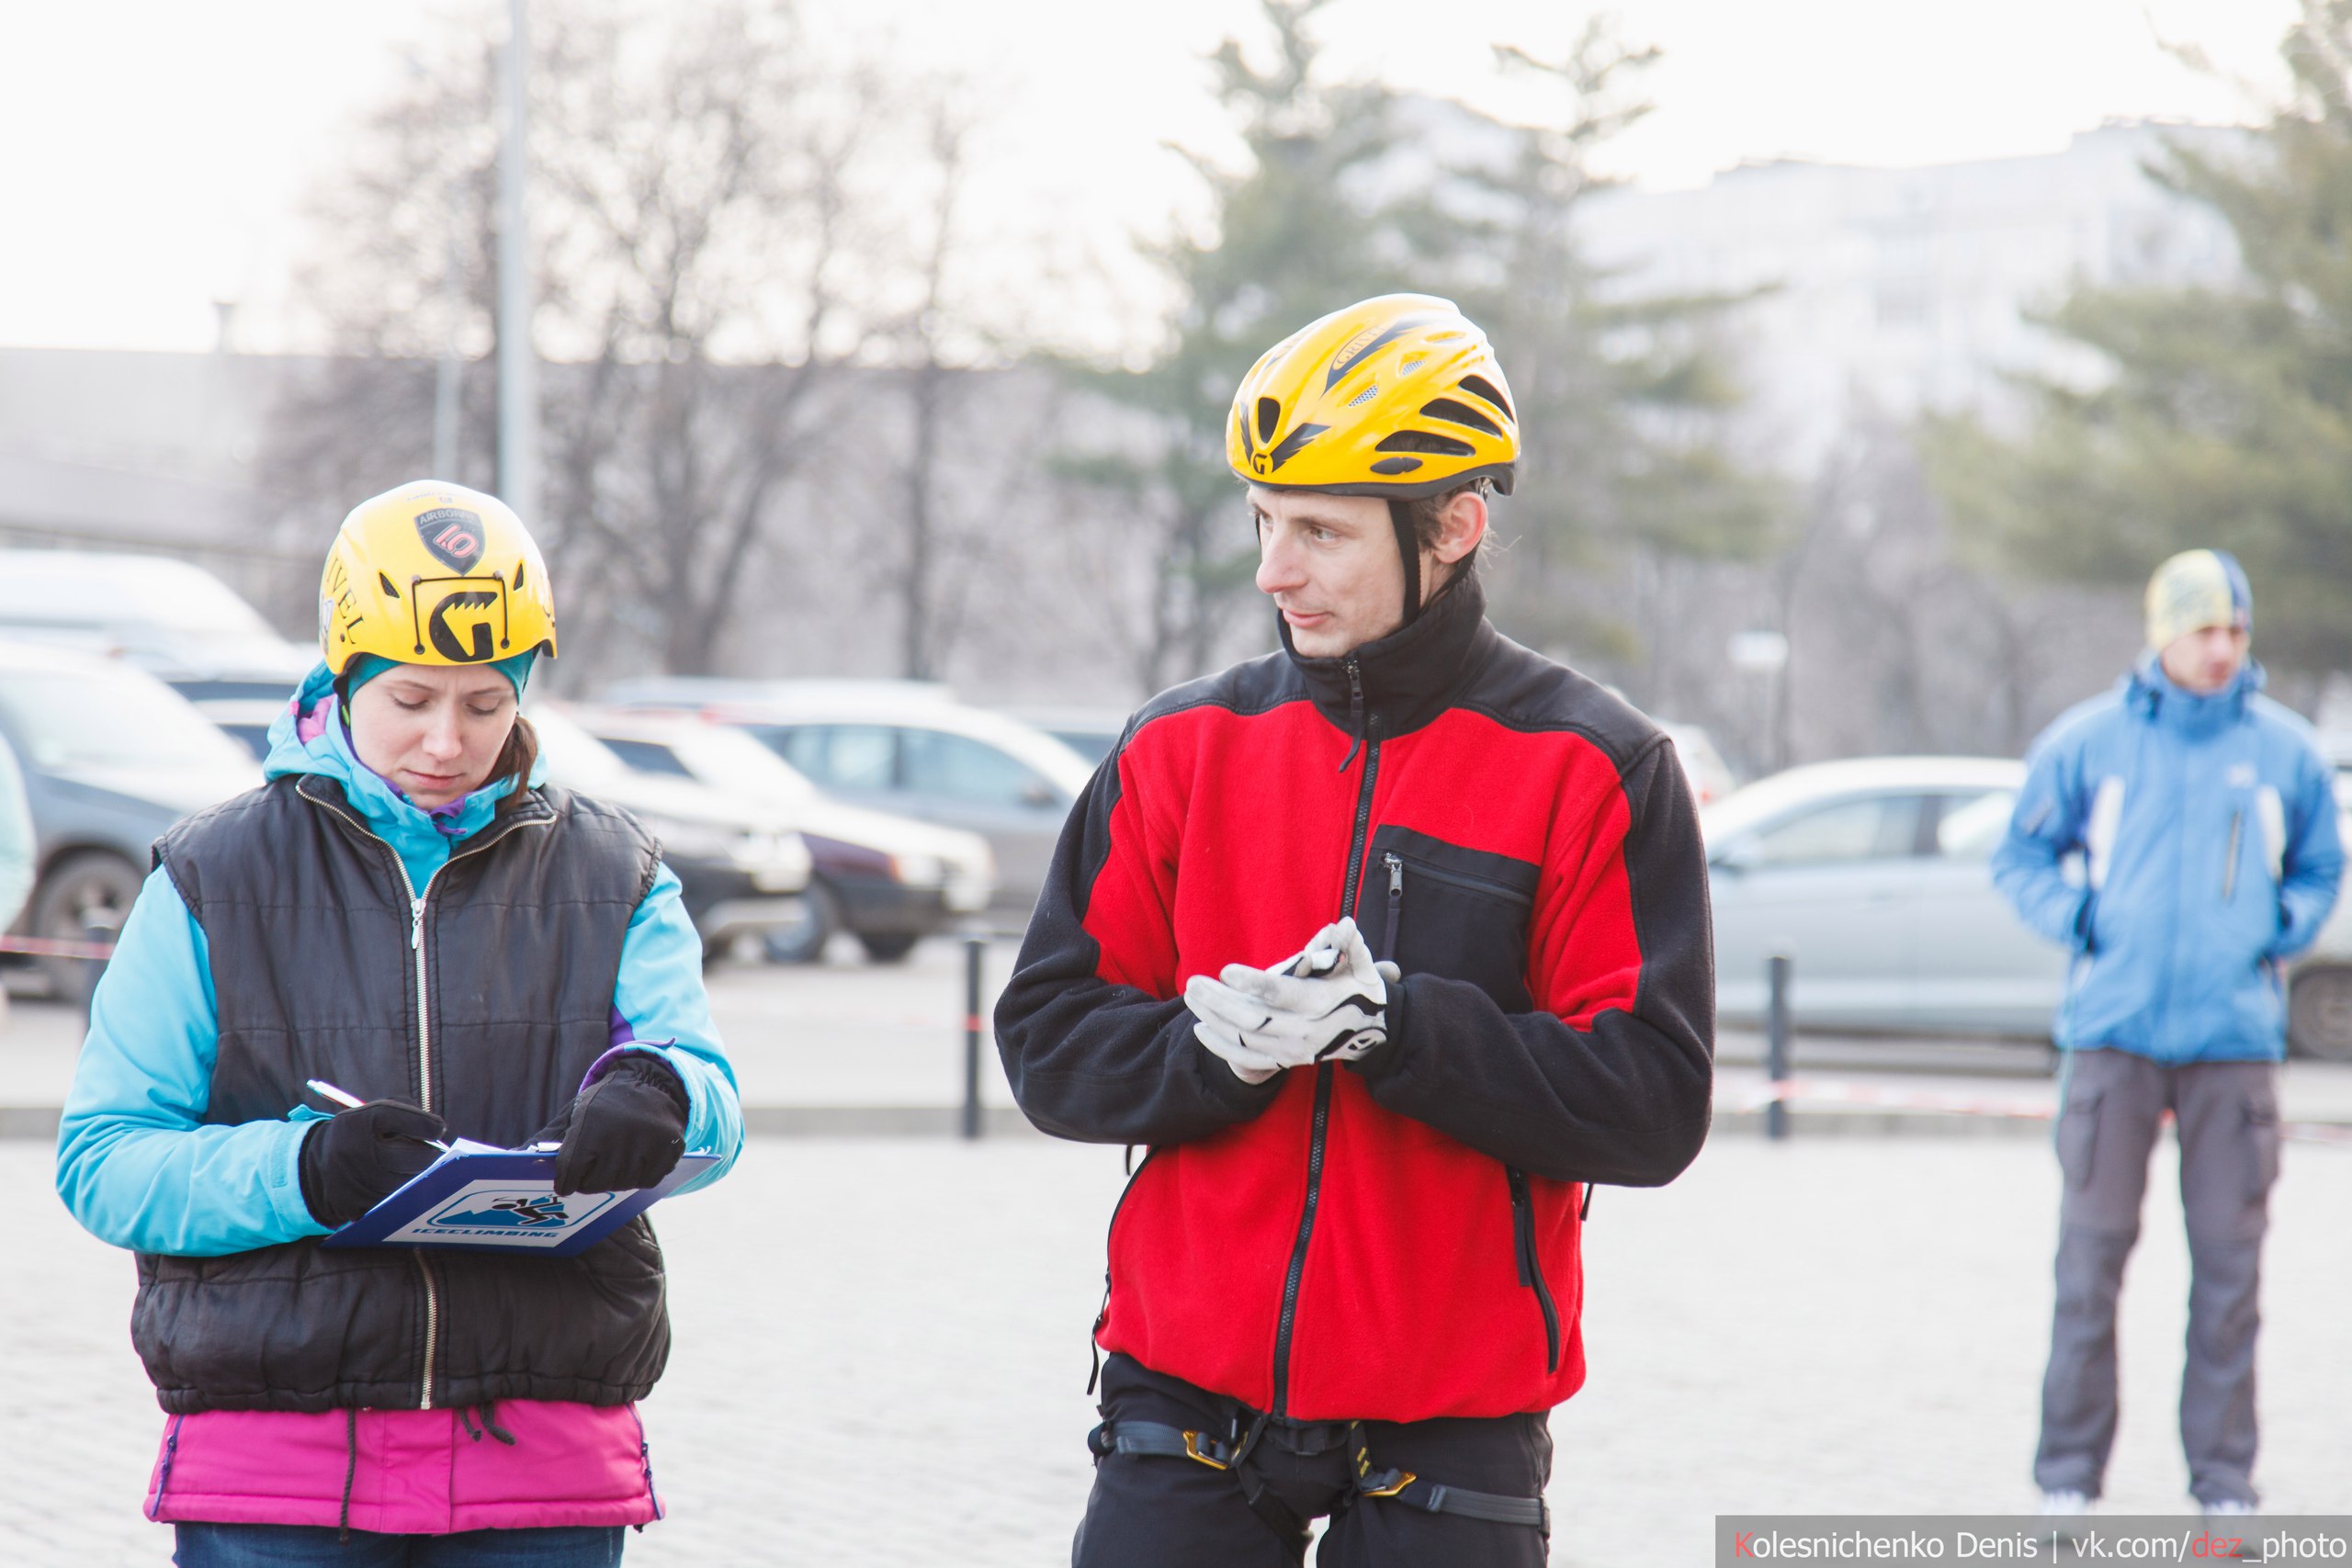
(408,1472)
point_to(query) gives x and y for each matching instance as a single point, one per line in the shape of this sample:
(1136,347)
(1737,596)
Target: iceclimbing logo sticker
(506,1214)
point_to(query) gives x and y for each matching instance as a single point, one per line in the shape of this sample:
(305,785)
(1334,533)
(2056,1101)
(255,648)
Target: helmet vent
(519,567)
(1424,441)
(1269,414)
(1479,387)
(388,589)
(1370,391)
(1460,414)
(1396,465)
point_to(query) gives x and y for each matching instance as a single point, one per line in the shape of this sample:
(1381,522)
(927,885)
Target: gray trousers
(2227,1114)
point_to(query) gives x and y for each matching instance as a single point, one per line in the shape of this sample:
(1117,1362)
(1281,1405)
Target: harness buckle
(1387,1484)
(1205,1449)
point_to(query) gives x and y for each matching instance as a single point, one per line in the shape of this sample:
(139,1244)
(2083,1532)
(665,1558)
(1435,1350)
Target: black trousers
(1152,1511)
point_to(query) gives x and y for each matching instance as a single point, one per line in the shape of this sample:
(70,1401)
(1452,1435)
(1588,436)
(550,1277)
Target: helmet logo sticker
(466,626)
(454,535)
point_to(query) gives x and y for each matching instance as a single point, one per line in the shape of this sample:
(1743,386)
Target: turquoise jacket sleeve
(2045,829)
(2313,864)
(660,1007)
(135,1163)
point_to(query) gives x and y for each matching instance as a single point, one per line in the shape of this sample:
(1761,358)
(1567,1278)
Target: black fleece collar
(1397,683)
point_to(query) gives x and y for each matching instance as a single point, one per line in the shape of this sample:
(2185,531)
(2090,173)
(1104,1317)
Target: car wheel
(85,889)
(804,942)
(2319,1014)
(890,947)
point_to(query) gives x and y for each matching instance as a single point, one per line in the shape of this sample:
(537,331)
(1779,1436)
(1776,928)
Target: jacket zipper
(1103,1313)
(1322,1120)
(423,1042)
(2229,867)
(1396,903)
(431,1331)
(1530,1264)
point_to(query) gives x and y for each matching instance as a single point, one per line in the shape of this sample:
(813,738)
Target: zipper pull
(416,925)
(1355,712)
(1395,876)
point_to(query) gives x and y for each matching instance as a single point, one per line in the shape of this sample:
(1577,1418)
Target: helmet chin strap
(1408,547)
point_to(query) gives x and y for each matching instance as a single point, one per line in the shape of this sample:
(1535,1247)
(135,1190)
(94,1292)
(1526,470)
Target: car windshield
(728,759)
(110,718)
(575,758)
(69,590)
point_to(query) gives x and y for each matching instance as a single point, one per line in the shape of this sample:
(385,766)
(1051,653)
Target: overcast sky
(155,149)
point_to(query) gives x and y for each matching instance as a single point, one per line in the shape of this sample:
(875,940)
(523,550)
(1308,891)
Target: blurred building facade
(1882,294)
(1871,296)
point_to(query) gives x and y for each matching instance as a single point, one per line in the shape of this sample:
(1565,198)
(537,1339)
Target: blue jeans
(282,1546)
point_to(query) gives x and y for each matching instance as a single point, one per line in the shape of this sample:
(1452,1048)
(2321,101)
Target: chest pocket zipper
(1530,1264)
(1459,879)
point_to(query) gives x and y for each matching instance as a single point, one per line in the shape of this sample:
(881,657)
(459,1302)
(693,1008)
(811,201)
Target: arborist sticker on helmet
(454,535)
(468,625)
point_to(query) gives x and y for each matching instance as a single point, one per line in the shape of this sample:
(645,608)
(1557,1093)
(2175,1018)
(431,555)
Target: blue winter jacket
(135,1163)
(2205,827)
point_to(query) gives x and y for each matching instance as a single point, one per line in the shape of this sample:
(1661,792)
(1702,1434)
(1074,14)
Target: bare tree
(718,282)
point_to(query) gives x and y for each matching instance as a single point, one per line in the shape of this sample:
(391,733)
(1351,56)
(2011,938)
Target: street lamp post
(518,380)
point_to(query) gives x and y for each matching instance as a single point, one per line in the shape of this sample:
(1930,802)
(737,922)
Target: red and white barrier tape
(52,947)
(1827,1091)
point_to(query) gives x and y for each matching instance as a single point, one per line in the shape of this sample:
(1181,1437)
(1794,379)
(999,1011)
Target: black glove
(354,1159)
(625,1130)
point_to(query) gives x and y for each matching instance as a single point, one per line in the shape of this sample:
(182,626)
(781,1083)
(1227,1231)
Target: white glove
(1326,1003)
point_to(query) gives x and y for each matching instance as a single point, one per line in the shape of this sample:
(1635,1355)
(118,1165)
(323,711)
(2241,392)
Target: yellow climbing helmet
(434,573)
(1398,396)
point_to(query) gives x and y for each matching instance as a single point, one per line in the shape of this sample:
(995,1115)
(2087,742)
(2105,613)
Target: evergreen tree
(2221,415)
(1352,189)
(1622,401)
(1303,229)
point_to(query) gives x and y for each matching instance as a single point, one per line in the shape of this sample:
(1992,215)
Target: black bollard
(1776,1042)
(97,934)
(973,948)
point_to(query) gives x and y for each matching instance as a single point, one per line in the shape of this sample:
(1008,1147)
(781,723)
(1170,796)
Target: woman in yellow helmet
(404,910)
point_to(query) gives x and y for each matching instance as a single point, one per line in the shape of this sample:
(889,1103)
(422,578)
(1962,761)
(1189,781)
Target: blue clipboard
(481,1198)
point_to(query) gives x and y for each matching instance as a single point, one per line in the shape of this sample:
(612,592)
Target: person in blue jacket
(406,910)
(2179,835)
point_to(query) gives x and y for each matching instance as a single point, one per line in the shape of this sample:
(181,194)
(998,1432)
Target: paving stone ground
(881,1353)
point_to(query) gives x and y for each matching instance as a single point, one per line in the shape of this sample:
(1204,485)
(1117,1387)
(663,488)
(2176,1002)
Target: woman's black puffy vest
(487,1008)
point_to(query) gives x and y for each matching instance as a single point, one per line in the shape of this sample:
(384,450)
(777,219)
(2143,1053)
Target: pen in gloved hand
(351,1102)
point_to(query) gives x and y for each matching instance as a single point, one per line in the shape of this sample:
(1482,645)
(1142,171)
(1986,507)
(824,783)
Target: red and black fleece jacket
(1395,1239)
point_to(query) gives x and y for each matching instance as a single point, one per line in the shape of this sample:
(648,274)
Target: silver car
(907,747)
(1874,876)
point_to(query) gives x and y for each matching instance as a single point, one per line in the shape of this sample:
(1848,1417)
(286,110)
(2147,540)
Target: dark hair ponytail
(515,761)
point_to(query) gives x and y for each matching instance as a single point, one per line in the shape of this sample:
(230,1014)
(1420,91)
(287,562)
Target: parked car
(1089,731)
(245,720)
(1709,776)
(2319,994)
(17,841)
(169,617)
(907,749)
(1874,876)
(111,757)
(889,880)
(743,870)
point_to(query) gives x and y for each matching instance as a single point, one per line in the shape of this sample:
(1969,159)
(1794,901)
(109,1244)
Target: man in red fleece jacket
(1389,946)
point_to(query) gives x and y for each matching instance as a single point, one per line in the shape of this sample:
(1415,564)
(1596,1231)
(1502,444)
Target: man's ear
(1461,526)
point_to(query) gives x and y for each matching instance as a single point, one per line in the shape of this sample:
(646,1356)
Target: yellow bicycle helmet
(1398,396)
(434,573)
